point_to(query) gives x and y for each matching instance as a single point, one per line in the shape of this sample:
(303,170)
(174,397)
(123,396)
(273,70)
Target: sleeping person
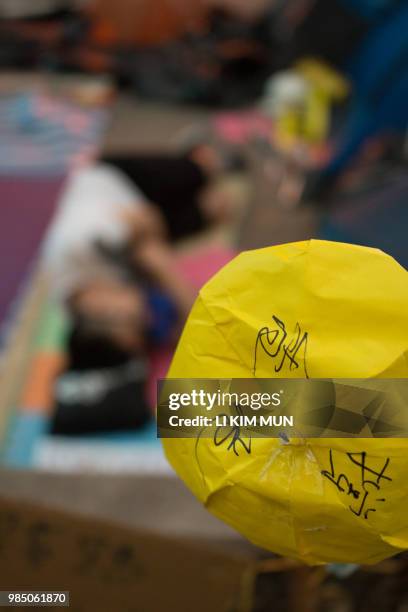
(112,264)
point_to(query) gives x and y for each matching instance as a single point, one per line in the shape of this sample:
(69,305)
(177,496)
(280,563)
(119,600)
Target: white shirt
(90,209)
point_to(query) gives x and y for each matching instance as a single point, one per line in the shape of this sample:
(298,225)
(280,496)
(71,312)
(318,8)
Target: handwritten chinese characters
(233,436)
(286,350)
(365,491)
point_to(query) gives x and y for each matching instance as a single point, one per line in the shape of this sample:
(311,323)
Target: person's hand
(145,223)
(153,256)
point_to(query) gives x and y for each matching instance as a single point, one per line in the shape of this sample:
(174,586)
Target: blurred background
(143,144)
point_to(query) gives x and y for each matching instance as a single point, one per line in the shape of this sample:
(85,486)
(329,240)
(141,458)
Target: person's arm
(157,259)
(151,253)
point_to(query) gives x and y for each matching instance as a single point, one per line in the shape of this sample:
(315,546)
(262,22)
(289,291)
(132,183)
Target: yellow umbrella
(342,312)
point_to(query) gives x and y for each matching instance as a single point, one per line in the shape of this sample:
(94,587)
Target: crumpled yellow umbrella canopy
(309,499)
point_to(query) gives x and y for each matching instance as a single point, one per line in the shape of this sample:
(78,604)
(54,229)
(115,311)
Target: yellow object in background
(301,99)
(333,84)
(326,310)
(326,88)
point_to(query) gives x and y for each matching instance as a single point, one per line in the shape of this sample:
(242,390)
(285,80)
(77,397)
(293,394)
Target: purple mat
(26,207)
